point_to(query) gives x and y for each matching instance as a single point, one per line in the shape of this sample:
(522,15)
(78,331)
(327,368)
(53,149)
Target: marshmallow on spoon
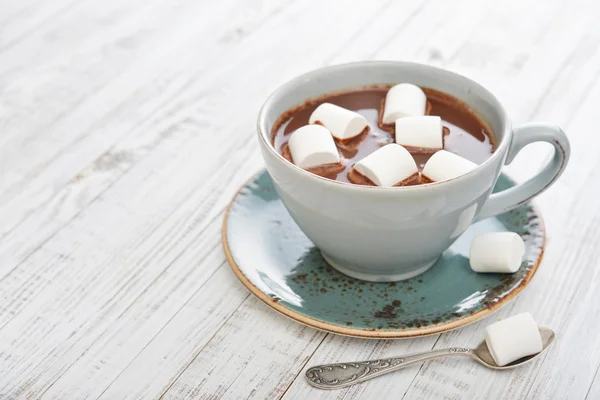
(403,100)
(497,252)
(513,338)
(424,132)
(388,166)
(311,146)
(444,165)
(342,123)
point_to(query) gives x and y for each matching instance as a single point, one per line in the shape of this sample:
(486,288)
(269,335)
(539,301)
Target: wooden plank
(65,50)
(279,349)
(131,73)
(195,296)
(21,18)
(98,271)
(594,390)
(189,254)
(574,306)
(88,167)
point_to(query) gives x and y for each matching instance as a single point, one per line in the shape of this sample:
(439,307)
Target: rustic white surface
(126,127)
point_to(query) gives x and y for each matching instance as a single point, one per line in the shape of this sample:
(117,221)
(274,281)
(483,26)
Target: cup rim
(264,132)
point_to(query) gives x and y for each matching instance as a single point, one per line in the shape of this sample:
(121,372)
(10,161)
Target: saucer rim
(374,333)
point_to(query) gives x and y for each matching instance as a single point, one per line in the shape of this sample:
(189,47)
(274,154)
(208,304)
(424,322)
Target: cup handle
(523,135)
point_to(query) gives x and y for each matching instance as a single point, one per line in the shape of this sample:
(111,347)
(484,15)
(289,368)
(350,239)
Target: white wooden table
(126,127)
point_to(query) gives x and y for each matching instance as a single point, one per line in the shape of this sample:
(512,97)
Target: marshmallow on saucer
(424,132)
(403,100)
(444,165)
(513,338)
(311,146)
(342,123)
(388,165)
(497,252)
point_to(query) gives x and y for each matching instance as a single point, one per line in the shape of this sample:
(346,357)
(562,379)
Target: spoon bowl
(483,356)
(336,376)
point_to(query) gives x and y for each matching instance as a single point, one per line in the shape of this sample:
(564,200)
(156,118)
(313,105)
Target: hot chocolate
(464,134)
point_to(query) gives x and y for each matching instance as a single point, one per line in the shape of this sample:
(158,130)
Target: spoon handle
(336,376)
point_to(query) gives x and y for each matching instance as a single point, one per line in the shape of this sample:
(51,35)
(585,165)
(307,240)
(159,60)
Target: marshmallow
(311,146)
(403,100)
(342,123)
(423,132)
(513,338)
(444,165)
(497,252)
(388,165)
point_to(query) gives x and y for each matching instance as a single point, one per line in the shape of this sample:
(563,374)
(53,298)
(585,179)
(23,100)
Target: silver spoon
(336,376)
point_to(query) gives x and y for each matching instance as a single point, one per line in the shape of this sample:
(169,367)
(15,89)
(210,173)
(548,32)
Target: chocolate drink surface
(464,133)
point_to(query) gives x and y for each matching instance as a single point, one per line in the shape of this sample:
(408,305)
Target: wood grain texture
(126,127)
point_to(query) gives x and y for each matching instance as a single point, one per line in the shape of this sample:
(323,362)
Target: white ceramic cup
(395,233)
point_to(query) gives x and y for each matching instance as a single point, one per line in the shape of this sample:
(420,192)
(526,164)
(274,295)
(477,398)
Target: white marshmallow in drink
(444,165)
(313,145)
(342,123)
(388,165)
(497,252)
(513,338)
(425,132)
(403,100)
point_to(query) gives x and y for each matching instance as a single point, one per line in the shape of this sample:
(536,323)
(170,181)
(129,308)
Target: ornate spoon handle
(335,376)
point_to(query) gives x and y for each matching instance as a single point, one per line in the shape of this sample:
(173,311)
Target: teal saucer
(276,261)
